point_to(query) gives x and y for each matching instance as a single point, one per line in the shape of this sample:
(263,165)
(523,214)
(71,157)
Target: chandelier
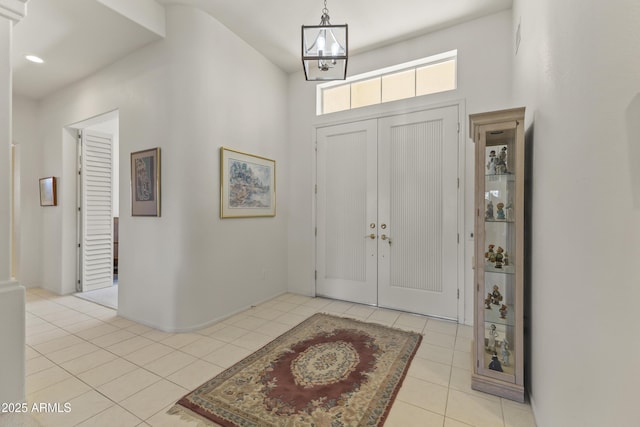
(324,49)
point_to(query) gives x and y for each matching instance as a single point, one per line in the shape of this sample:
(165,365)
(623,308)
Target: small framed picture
(145,182)
(48,191)
(247,185)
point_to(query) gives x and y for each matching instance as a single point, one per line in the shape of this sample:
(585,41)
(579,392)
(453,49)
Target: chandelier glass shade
(325,50)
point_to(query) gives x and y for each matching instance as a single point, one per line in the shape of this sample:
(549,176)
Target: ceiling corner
(147,13)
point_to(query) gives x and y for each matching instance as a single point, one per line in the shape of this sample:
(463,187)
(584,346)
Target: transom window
(426,76)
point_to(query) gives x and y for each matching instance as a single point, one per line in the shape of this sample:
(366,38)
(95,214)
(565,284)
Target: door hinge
(315,275)
(316,231)
(458,127)
(458,293)
(458,238)
(458,182)
(78,282)
(316,189)
(78,244)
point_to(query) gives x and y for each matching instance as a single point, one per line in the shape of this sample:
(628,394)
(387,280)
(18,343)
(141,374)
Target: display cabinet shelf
(510,269)
(498,357)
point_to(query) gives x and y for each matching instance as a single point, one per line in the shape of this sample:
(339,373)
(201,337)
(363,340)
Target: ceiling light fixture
(324,49)
(35,59)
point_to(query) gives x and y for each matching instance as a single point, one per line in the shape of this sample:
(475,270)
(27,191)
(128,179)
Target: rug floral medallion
(326,372)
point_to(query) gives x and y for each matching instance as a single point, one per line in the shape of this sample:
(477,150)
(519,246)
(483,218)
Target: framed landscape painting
(145,182)
(247,185)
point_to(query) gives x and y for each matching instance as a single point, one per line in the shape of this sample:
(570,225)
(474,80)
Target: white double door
(387,212)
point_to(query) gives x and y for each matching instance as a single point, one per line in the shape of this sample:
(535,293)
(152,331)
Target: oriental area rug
(326,372)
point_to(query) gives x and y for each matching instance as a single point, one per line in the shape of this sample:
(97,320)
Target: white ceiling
(75,38)
(78,37)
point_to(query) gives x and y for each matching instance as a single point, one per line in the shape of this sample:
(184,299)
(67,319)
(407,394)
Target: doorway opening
(98,209)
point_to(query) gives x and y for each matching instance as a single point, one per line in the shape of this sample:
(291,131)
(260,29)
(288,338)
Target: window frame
(380,73)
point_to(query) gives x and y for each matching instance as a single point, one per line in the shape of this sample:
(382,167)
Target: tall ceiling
(78,37)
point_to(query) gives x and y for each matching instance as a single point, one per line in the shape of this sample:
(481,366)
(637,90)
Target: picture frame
(145,182)
(247,185)
(48,191)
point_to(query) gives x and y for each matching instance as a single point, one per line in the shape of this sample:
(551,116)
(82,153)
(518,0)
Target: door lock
(385,237)
(370,236)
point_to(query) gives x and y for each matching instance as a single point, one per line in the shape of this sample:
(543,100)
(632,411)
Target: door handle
(385,237)
(370,236)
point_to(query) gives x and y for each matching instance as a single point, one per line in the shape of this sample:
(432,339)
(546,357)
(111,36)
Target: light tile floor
(114,372)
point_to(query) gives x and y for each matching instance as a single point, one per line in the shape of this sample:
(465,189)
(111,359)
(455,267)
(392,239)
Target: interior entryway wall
(180,271)
(388,211)
(485,53)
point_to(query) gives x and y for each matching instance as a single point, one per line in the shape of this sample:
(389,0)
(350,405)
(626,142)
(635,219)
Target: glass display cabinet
(499,253)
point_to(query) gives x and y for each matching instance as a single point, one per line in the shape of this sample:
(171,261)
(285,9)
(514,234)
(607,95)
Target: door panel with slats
(346,263)
(418,200)
(97,211)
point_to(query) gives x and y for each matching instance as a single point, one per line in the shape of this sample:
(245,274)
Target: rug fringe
(190,416)
(370,322)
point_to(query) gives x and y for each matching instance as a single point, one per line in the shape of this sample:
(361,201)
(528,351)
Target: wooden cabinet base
(496,387)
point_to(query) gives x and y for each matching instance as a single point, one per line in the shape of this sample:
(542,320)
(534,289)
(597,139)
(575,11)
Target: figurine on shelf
(488,214)
(509,210)
(503,311)
(496,296)
(493,334)
(495,365)
(490,255)
(505,351)
(505,260)
(501,162)
(499,257)
(500,211)
(487,301)
(491,164)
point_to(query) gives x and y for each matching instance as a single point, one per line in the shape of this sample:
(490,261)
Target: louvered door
(97,211)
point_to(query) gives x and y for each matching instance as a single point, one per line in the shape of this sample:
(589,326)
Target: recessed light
(35,59)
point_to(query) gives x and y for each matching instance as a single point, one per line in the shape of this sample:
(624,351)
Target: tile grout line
(305,304)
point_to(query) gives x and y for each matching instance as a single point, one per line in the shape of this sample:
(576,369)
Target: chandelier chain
(324,19)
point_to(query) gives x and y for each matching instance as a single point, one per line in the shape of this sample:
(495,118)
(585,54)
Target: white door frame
(77,127)
(380,111)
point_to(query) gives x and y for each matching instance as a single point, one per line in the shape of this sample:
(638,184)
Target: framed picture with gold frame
(247,185)
(145,182)
(48,191)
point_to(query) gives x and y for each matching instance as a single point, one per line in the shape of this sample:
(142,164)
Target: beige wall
(577,72)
